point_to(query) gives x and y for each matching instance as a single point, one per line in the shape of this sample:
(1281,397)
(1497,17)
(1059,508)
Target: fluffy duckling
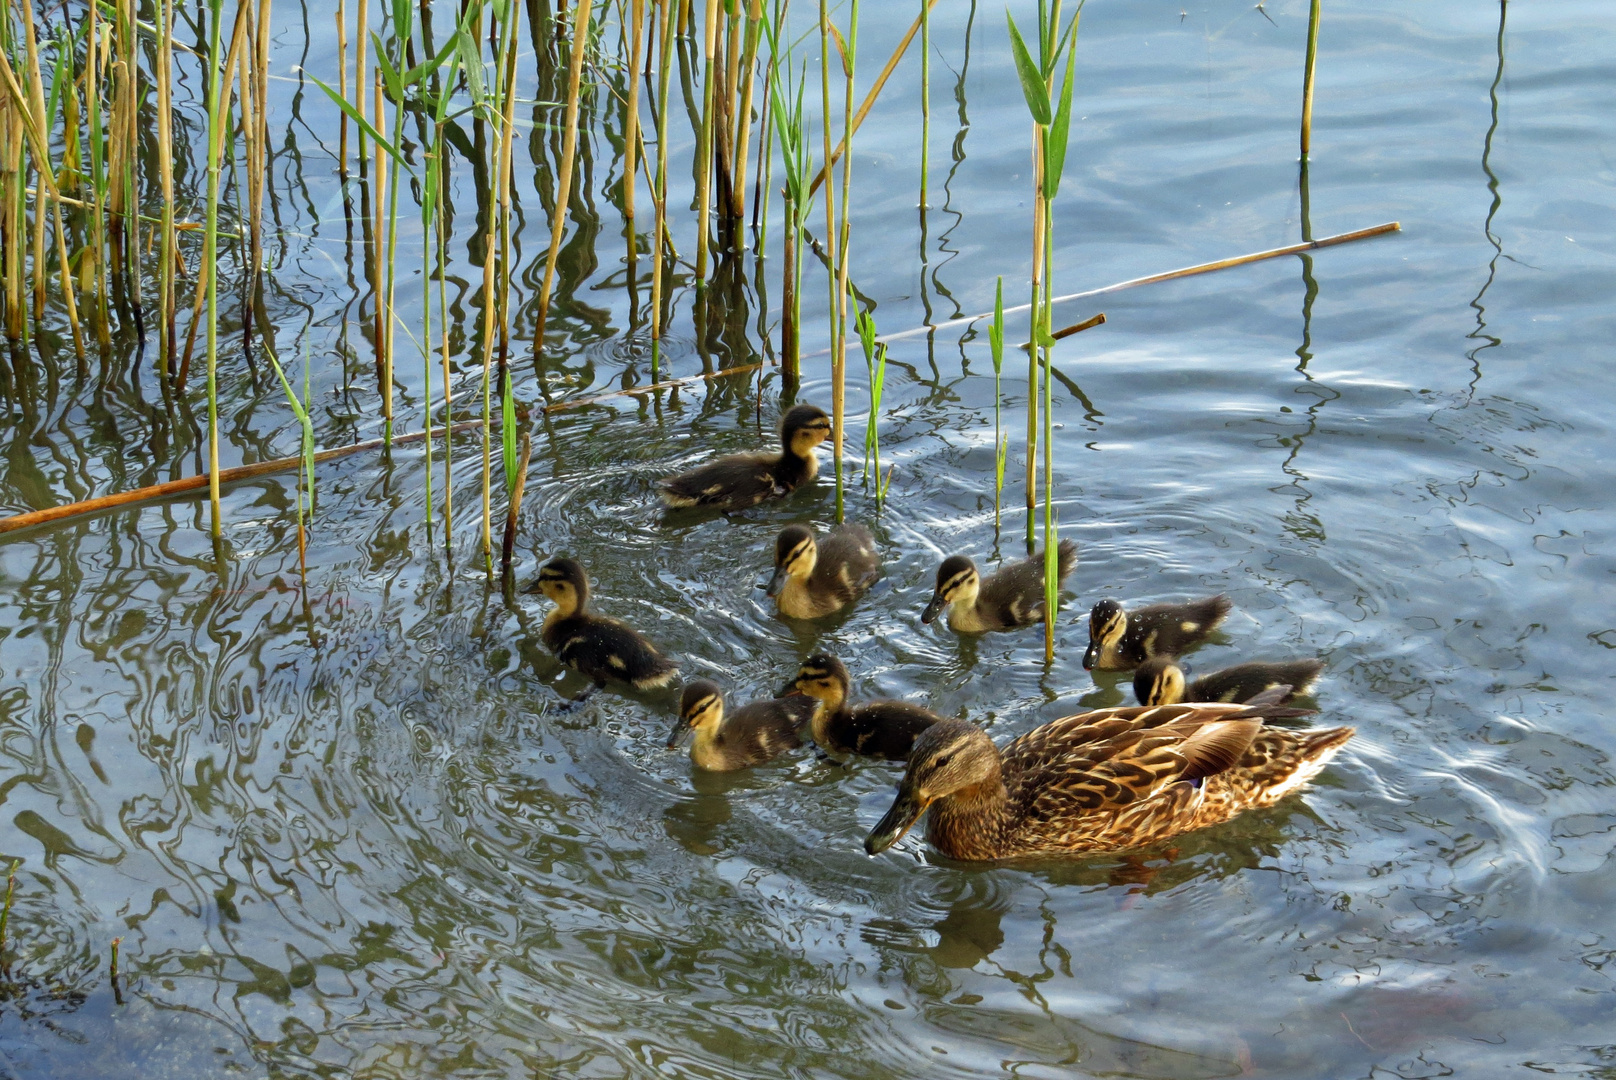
(1009,597)
(878,729)
(738,481)
(1120,640)
(599,648)
(751,735)
(1101,781)
(813,579)
(1160,681)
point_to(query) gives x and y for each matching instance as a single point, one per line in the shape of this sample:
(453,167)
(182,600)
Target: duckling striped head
(1159,681)
(795,554)
(700,706)
(564,582)
(1107,623)
(821,676)
(957,582)
(804,427)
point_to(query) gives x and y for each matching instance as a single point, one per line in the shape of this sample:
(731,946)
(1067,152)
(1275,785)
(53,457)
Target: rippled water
(342,830)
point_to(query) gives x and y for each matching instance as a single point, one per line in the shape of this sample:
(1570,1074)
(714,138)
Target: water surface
(342,830)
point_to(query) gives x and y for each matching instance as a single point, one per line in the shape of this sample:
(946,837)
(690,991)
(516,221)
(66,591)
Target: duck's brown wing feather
(736,482)
(765,729)
(603,648)
(1015,593)
(848,563)
(887,729)
(1105,760)
(1242,682)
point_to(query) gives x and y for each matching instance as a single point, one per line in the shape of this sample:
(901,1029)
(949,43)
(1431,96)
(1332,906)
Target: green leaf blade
(1033,87)
(1060,130)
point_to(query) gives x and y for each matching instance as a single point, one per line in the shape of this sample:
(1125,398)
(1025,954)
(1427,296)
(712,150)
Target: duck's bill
(1090,655)
(776,582)
(788,689)
(677,735)
(906,810)
(937,604)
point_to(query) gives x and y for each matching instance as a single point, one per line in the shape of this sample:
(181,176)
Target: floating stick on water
(1169,275)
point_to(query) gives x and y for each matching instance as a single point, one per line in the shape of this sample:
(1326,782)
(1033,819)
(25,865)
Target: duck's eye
(941,762)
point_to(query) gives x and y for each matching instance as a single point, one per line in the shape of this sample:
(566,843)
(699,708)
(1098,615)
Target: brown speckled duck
(1010,597)
(1122,640)
(1101,781)
(751,735)
(878,729)
(599,648)
(742,480)
(812,579)
(1160,681)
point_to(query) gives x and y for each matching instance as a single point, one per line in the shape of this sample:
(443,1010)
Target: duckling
(1159,681)
(1009,597)
(813,579)
(594,646)
(1119,640)
(1101,781)
(738,481)
(752,735)
(878,729)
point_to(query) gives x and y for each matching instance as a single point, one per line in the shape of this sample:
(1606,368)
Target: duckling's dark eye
(941,762)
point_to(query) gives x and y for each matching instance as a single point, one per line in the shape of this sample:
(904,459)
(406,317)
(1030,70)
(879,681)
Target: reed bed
(93,232)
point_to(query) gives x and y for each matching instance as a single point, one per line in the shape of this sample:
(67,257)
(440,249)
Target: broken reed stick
(1076,328)
(276,465)
(200,482)
(1170,275)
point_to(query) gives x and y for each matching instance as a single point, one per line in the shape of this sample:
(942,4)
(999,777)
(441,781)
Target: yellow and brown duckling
(812,579)
(1160,681)
(601,649)
(1010,597)
(738,481)
(1101,781)
(1122,640)
(751,735)
(878,729)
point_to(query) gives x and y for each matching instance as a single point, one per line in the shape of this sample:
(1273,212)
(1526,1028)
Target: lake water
(342,830)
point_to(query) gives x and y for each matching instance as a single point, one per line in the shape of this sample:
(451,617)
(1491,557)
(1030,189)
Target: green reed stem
(300,409)
(507,434)
(704,141)
(631,123)
(839,361)
(1001,444)
(165,174)
(658,268)
(1051,544)
(1307,76)
(210,251)
(925,97)
(569,151)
